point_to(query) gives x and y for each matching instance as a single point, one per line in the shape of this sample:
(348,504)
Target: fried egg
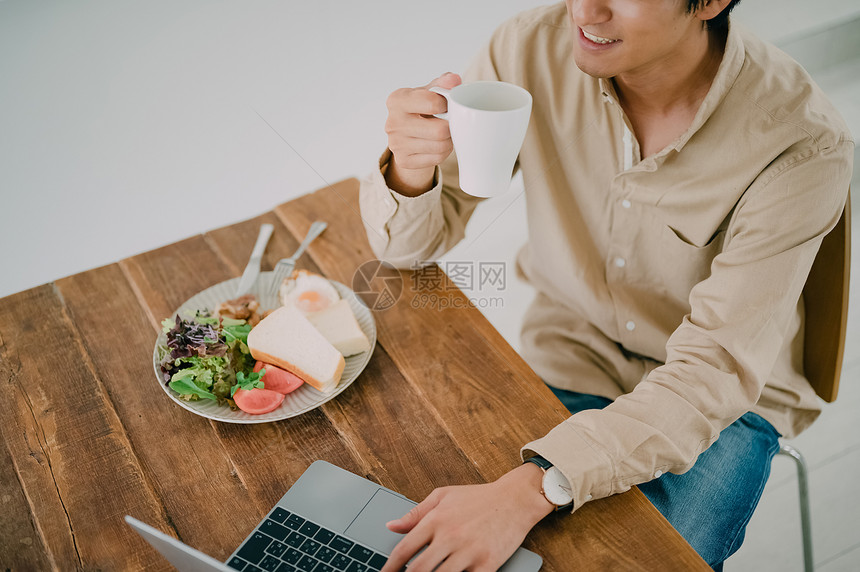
(307,291)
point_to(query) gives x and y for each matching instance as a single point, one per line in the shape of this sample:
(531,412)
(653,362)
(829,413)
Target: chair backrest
(825,297)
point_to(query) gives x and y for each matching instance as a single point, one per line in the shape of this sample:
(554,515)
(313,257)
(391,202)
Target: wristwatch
(555,487)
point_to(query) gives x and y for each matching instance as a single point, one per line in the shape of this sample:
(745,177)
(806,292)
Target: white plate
(299,401)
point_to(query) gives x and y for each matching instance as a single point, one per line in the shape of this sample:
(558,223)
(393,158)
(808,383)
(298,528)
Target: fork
(285,266)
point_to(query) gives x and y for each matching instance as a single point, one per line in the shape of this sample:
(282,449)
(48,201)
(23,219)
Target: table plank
(389,423)
(24,441)
(70,451)
(471,378)
(21,546)
(164,278)
(620,532)
(182,455)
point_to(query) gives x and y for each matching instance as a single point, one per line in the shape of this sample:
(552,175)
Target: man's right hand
(418,141)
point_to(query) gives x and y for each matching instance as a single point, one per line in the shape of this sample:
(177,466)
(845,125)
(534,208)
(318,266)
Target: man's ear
(711,9)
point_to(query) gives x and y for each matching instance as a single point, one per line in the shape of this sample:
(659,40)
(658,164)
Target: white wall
(779,21)
(129,125)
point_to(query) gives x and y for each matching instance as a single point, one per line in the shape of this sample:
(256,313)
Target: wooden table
(88,437)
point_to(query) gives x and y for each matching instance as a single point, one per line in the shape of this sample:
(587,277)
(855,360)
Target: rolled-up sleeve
(720,357)
(409,231)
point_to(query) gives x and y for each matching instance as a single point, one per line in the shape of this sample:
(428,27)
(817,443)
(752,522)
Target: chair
(825,297)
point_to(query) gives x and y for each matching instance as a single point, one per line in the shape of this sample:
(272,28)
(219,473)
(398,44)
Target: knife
(252,270)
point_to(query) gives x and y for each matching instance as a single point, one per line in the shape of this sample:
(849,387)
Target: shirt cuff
(387,214)
(588,469)
(390,203)
(411,207)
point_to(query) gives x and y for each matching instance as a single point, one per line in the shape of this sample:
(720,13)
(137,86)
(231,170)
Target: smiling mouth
(597,39)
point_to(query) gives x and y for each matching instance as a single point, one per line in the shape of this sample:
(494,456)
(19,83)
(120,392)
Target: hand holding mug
(418,141)
(485,121)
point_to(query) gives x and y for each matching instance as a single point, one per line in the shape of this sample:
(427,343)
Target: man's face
(615,37)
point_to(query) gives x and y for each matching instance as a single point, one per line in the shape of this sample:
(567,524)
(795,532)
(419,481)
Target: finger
(416,126)
(406,549)
(408,521)
(428,560)
(446,80)
(425,127)
(417,100)
(456,562)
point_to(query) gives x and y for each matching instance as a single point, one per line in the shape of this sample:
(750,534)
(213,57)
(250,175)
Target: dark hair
(718,22)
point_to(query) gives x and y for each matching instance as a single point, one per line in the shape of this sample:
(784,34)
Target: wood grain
(21,546)
(165,278)
(182,456)
(70,450)
(407,448)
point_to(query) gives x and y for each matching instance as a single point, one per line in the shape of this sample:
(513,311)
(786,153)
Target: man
(680,176)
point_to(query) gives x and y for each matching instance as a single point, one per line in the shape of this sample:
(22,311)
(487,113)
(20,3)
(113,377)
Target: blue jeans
(711,504)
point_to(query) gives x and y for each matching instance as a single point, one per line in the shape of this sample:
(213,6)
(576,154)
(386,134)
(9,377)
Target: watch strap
(539,461)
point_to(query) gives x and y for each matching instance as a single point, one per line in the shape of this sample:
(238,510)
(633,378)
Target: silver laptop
(329,521)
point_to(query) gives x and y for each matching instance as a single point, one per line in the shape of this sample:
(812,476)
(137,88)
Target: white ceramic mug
(488,121)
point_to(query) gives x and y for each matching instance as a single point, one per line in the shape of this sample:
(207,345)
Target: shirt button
(625,203)
(588,497)
(658,474)
(620,262)
(631,325)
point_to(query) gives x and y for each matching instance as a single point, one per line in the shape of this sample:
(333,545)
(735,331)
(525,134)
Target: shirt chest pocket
(674,262)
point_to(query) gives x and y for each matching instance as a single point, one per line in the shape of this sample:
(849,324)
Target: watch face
(556,487)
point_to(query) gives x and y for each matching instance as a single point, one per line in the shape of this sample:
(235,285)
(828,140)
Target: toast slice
(286,338)
(338,325)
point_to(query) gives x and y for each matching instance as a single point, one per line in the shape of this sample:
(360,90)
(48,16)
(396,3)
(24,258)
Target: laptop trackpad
(369,526)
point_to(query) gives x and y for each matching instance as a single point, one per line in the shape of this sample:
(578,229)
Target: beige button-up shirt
(671,284)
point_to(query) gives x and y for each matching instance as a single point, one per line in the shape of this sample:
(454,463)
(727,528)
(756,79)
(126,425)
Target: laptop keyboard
(286,542)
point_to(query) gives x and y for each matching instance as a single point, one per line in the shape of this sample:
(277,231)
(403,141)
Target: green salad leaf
(196,376)
(253,380)
(236,331)
(186,387)
(207,357)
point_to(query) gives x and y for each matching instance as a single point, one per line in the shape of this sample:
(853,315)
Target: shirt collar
(727,73)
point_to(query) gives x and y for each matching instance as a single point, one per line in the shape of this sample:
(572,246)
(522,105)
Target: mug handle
(446,93)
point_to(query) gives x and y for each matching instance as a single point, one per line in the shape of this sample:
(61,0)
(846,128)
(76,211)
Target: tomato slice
(257,401)
(278,379)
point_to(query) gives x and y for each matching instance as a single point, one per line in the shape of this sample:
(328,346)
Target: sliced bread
(338,325)
(286,339)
